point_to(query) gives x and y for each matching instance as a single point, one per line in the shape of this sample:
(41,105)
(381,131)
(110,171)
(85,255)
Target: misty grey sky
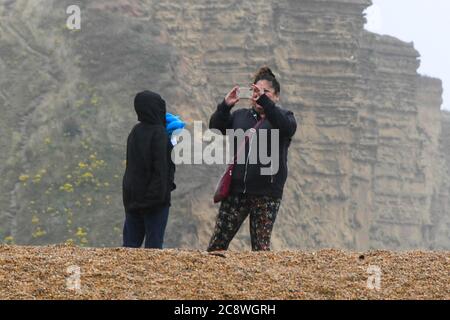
(424,22)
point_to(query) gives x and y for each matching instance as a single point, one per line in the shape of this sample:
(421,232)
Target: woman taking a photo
(251,193)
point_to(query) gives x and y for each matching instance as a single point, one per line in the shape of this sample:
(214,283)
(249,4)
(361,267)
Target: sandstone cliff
(369,165)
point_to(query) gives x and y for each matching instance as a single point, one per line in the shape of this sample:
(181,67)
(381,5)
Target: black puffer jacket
(247,178)
(149,174)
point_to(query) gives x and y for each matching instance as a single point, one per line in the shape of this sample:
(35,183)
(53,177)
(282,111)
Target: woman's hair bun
(264,72)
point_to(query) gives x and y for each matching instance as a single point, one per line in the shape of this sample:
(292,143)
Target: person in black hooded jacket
(149,175)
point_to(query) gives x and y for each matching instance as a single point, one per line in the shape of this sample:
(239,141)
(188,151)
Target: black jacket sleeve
(283,120)
(158,185)
(222,119)
(171,172)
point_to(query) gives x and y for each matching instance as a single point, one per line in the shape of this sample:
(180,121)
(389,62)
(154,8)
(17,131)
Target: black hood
(150,108)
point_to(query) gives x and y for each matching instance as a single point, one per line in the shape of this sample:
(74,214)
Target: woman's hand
(232,97)
(257,92)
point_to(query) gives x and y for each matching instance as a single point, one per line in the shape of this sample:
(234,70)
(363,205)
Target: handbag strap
(247,138)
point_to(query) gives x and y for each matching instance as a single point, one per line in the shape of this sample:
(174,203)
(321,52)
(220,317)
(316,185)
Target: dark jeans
(150,226)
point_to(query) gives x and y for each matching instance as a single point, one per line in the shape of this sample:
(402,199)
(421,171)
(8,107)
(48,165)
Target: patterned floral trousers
(233,212)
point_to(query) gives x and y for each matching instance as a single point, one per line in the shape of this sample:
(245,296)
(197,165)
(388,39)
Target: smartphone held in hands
(245,92)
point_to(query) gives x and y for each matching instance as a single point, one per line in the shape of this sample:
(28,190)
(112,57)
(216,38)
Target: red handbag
(224,185)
